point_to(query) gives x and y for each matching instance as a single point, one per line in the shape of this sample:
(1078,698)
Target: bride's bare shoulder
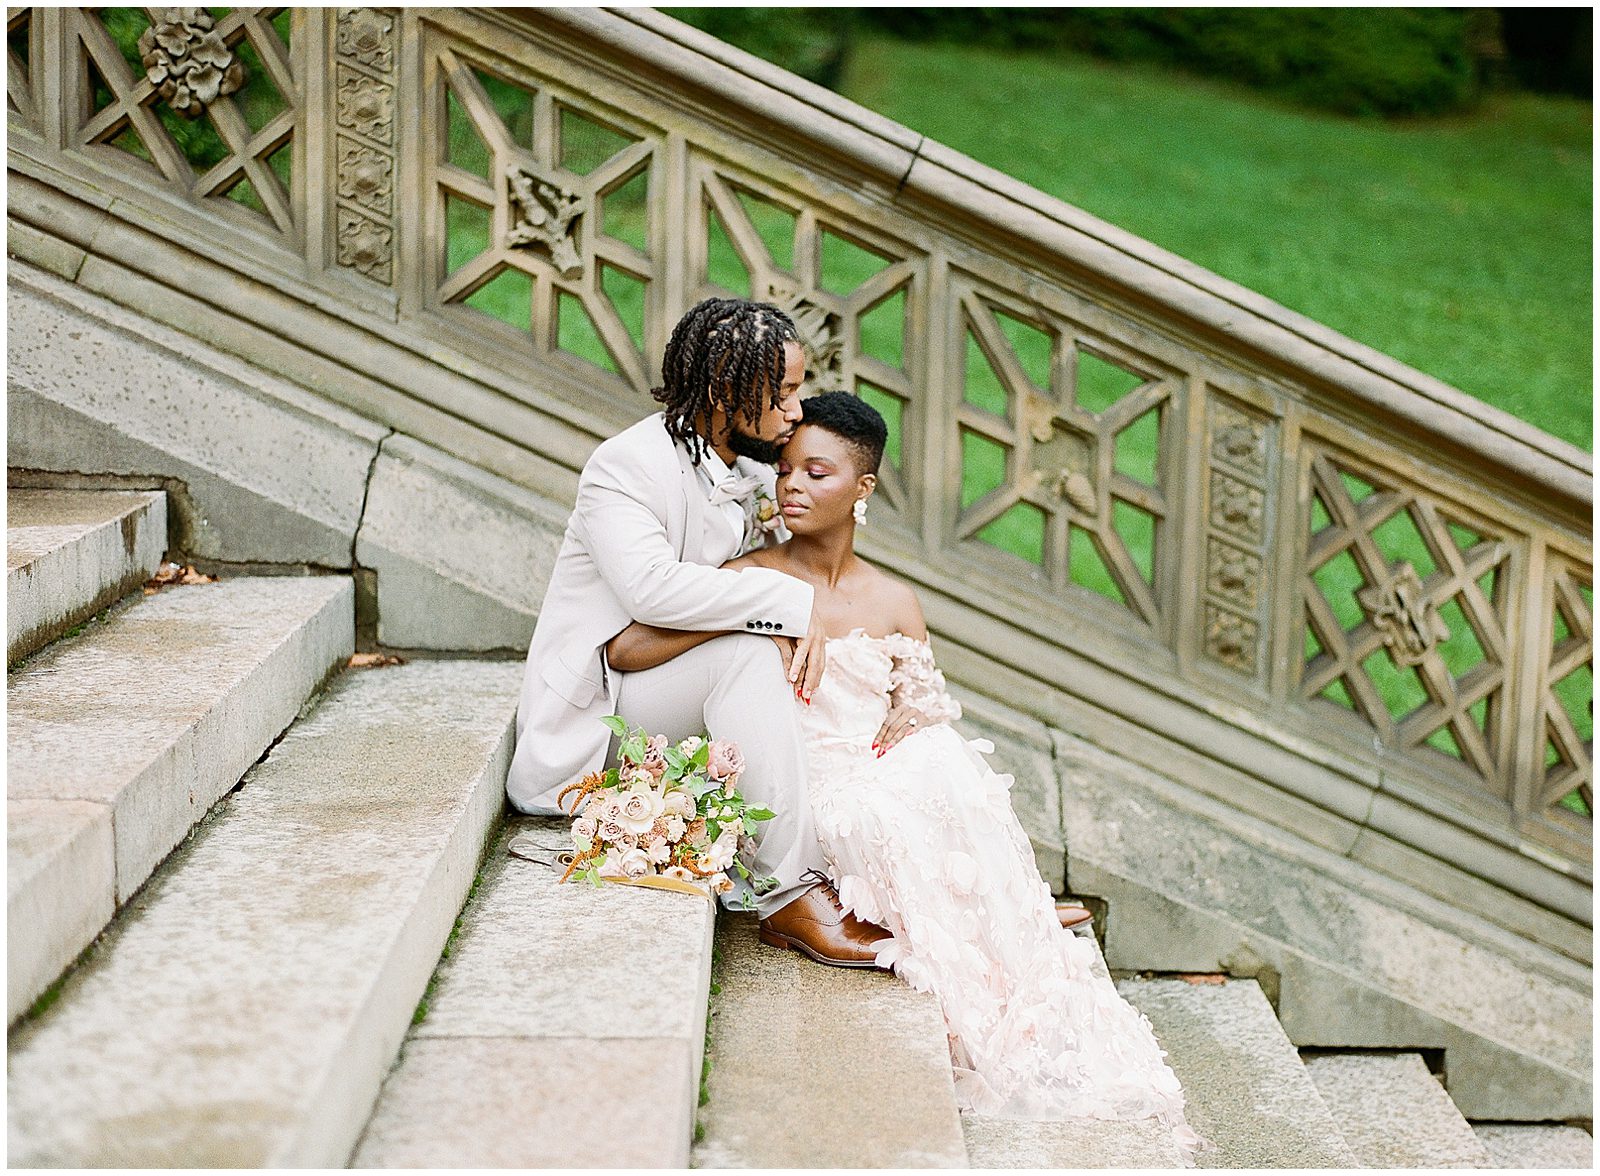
(900,601)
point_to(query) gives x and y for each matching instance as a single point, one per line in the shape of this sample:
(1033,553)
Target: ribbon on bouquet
(528,848)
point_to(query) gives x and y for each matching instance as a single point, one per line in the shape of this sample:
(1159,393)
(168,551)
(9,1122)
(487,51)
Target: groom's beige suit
(643,544)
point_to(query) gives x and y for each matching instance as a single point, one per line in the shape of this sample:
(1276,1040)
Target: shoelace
(826,884)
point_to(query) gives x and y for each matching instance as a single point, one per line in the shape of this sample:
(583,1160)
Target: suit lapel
(692,544)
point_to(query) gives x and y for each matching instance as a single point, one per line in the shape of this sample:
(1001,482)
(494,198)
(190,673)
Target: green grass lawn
(1461,246)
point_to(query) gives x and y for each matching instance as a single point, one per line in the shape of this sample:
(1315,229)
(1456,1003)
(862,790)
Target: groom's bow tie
(733,488)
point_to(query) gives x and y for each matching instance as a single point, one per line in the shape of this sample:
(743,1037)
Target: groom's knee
(751,653)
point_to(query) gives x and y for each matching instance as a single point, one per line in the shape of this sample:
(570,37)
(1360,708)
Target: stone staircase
(234,869)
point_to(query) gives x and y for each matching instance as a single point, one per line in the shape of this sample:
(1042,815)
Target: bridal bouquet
(666,816)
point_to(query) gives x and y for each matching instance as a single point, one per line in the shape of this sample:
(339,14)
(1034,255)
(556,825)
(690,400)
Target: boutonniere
(767,518)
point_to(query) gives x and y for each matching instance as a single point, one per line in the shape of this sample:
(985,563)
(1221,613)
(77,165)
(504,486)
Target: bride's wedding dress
(923,841)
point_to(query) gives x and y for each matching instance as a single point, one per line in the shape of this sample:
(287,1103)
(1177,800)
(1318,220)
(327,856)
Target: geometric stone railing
(1142,502)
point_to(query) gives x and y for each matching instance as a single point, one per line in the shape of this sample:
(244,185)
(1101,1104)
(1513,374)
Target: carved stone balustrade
(1148,505)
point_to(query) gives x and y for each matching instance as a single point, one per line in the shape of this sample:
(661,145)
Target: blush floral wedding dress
(923,842)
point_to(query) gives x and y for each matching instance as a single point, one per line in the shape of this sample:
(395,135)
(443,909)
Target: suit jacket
(631,552)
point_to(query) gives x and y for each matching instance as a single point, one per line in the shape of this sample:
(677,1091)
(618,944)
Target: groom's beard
(745,445)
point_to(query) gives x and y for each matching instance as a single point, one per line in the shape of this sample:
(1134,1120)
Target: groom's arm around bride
(660,507)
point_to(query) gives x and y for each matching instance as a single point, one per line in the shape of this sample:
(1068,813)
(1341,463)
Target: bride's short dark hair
(727,349)
(853,421)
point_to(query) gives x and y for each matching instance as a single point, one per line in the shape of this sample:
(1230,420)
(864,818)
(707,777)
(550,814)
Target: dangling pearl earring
(860,512)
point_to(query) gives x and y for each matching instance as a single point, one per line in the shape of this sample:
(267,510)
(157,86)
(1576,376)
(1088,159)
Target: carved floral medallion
(186,60)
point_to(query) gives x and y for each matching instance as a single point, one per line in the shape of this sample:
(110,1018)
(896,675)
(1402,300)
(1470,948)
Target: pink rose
(724,761)
(634,863)
(585,827)
(655,756)
(612,830)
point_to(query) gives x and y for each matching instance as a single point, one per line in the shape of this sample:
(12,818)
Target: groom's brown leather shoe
(816,924)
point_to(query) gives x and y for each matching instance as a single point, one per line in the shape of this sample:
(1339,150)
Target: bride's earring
(860,512)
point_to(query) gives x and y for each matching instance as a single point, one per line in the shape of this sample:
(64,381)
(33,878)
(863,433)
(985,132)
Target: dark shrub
(1352,60)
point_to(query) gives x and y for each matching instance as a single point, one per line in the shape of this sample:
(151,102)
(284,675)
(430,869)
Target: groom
(660,506)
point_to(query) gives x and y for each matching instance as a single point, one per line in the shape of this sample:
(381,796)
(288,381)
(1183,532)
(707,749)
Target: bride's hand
(897,724)
(786,647)
(805,668)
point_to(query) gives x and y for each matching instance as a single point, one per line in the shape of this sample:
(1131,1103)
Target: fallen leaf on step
(171,573)
(1203,977)
(372,661)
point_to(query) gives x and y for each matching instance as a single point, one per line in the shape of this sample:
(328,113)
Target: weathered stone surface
(69,553)
(1536,1145)
(819,1067)
(1246,1089)
(1079,1143)
(565,1028)
(272,474)
(1022,747)
(1393,1113)
(61,882)
(548,1102)
(244,1008)
(1356,959)
(160,710)
(151,717)
(462,556)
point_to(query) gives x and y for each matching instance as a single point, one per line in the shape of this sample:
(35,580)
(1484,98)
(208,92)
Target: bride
(918,832)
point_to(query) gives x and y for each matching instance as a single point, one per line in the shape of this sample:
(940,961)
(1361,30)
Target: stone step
(564,1029)
(1536,1145)
(1248,1092)
(70,553)
(119,740)
(1393,1113)
(819,1067)
(1355,959)
(1079,1143)
(243,1009)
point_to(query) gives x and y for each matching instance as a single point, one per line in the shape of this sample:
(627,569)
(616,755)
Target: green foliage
(1352,60)
(1461,246)
(811,42)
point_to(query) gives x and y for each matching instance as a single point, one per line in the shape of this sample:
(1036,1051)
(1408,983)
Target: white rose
(720,855)
(678,804)
(585,827)
(691,745)
(634,864)
(639,810)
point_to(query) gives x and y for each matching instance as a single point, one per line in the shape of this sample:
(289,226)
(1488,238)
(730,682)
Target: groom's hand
(805,669)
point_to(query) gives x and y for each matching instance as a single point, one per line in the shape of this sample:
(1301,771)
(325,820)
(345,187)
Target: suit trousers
(734,688)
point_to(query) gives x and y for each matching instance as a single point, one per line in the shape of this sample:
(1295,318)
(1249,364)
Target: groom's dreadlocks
(726,349)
